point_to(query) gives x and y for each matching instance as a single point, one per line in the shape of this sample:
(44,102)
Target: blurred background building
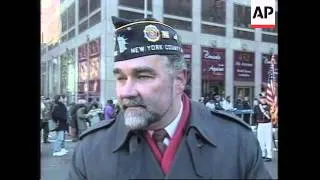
(224,54)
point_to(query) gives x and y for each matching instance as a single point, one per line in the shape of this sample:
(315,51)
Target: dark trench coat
(215,146)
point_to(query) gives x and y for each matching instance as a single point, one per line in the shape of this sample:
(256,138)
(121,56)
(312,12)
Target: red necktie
(158,136)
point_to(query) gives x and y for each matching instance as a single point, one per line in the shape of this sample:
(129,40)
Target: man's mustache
(136,102)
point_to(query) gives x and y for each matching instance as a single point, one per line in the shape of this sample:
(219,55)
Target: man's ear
(181,81)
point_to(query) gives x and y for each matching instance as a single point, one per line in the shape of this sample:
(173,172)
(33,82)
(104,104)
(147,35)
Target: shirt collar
(171,128)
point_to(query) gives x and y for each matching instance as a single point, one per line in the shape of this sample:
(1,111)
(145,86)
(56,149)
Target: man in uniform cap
(160,133)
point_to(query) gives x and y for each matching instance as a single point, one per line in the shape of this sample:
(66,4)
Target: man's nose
(128,90)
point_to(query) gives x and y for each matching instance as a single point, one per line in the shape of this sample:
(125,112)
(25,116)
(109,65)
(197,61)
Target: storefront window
(89,69)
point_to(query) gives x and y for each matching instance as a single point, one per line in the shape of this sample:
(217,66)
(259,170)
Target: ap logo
(263,13)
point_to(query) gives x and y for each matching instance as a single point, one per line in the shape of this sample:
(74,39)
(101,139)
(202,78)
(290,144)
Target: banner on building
(213,64)
(243,66)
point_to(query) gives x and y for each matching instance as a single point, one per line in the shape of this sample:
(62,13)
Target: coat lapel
(137,161)
(134,155)
(198,152)
(201,153)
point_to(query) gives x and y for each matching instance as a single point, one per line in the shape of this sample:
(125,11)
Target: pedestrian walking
(59,116)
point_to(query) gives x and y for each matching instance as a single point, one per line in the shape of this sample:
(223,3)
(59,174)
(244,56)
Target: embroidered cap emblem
(122,42)
(165,34)
(151,33)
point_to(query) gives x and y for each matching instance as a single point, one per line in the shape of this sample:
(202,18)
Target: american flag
(271,93)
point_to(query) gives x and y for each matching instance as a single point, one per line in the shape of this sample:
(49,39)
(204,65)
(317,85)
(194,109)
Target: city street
(54,168)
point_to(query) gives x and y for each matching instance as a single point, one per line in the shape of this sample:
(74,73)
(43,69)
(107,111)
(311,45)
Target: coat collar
(122,133)
(198,120)
(202,121)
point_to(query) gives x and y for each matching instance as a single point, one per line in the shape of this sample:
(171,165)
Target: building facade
(223,53)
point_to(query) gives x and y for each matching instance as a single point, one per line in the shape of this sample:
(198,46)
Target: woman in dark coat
(59,116)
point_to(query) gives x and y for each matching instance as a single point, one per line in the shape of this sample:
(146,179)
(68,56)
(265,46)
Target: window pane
(64,21)
(139,4)
(221,31)
(178,24)
(95,19)
(83,26)
(178,7)
(269,38)
(131,15)
(241,16)
(94,4)
(243,34)
(71,16)
(71,34)
(214,11)
(83,9)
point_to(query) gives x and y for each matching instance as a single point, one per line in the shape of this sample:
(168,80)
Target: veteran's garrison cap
(144,37)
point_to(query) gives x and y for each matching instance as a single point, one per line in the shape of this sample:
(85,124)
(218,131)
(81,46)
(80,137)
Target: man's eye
(120,78)
(144,77)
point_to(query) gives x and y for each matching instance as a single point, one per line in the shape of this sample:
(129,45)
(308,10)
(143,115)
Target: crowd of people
(71,119)
(259,117)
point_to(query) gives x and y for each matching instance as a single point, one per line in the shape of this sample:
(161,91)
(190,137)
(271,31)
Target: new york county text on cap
(144,37)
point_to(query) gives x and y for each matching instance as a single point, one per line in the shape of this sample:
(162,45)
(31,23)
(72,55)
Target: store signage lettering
(207,55)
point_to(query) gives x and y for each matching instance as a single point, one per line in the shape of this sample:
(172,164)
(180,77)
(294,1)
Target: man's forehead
(155,62)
